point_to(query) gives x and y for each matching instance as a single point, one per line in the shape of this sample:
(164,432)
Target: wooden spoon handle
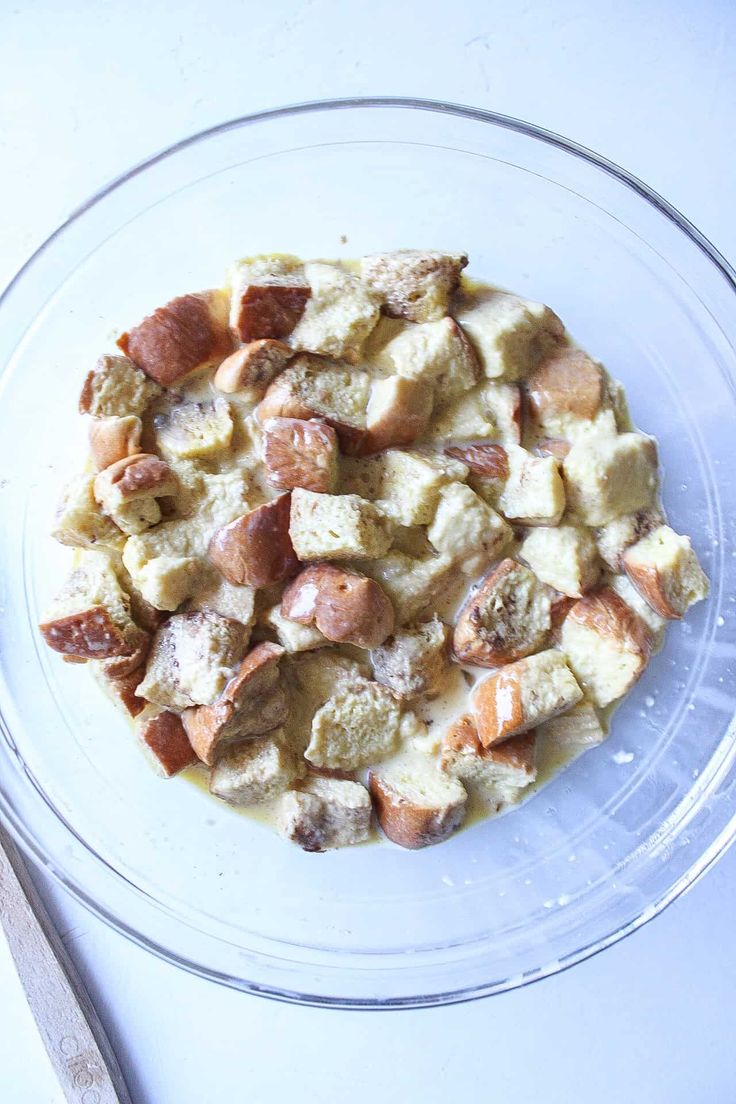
(72,1033)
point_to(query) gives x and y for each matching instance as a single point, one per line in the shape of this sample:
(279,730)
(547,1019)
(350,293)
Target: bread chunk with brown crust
(414,284)
(166,743)
(523,695)
(116,389)
(129,490)
(506,618)
(665,570)
(79,521)
(253,366)
(187,334)
(566,388)
(398,412)
(253,771)
(337,527)
(300,453)
(191,658)
(414,661)
(256,549)
(607,645)
(345,606)
(501,771)
(416,804)
(253,702)
(325,813)
(112,439)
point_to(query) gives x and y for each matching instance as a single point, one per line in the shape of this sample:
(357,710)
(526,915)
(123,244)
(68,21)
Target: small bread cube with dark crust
(129,490)
(565,389)
(250,772)
(298,453)
(253,702)
(501,771)
(414,284)
(522,695)
(253,366)
(166,743)
(269,294)
(256,549)
(345,606)
(112,439)
(506,618)
(116,389)
(415,660)
(187,334)
(325,813)
(665,570)
(416,804)
(607,645)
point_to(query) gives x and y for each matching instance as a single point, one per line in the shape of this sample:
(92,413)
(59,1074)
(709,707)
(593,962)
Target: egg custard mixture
(364,542)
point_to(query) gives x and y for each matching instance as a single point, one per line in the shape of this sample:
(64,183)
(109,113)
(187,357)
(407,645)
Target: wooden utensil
(72,1033)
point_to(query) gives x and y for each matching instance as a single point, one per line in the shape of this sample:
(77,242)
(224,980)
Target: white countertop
(86,90)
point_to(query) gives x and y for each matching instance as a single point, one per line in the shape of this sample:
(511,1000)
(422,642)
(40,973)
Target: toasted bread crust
(253,365)
(165,738)
(113,439)
(300,453)
(255,549)
(492,628)
(410,824)
(568,382)
(491,460)
(185,334)
(89,634)
(346,607)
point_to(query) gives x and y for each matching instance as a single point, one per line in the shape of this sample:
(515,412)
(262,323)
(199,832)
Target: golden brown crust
(185,334)
(123,688)
(140,474)
(606,613)
(298,453)
(112,439)
(400,424)
(166,739)
(462,736)
(255,549)
(489,633)
(561,606)
(88,634)
(498,708)
(568,382)
(284,399)
(251,703)
(270,310)
(254,365)
(647,579)
(489,460)
(87,393)
(346,607)
(409,824)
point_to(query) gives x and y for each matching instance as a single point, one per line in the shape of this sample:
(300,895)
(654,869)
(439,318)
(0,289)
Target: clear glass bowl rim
(717,847)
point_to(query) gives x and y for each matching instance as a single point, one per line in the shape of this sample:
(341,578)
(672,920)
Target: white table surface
(88,88)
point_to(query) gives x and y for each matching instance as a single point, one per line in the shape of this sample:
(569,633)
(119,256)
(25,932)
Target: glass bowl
(611,840)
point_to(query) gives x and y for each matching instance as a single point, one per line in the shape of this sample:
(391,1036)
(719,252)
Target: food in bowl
(364,541)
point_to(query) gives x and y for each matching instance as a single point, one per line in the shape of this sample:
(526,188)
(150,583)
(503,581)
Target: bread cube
(300,454)
(523,695)
(510,335)
(338,315)
(566,390)
(116,389)
(80,523)
(191,658)
(336,527)
(293,636)
(534,493)
(573,732)
(500,772)
(507,617)
(129,490)
(466,530)
(565,558)
(552,446)
(313,387)
(488,466)
(606,476)
(256,549)
(252,367)
(234,602)
(190,431)
(253,771)
(356,726)
(626,590)
(619,534)
(268,296)
(325,813)
(437,353)
(253,702)
(606,644)
(122,687)
(414,284)
(165,742)
(313,678)
(416,805)
(414,661)
(404,484)
(344,606)
(187,334)
(412,583)
(665,570)
(491,409)
(398,412)
(112,439)
(90,617)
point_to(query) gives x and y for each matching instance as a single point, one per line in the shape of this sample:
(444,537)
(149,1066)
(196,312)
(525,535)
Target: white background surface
(87,89)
